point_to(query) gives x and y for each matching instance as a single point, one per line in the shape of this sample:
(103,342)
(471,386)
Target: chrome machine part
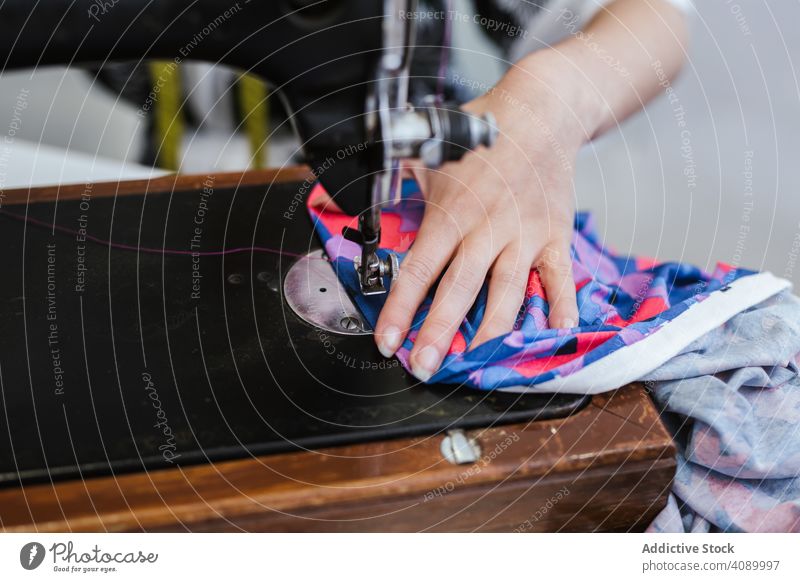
(459,449)
(437,135)
(396,130)
(314,293)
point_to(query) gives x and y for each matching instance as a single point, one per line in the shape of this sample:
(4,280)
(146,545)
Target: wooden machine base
(607,467)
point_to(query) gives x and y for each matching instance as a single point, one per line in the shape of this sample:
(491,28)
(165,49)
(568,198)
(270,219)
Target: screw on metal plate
(350,323)
(459,449)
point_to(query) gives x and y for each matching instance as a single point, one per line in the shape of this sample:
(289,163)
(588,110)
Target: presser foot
(371,275)
(371,268)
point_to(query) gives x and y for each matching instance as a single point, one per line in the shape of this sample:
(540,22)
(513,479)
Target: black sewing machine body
(117,361)
(320,57)
(343,69)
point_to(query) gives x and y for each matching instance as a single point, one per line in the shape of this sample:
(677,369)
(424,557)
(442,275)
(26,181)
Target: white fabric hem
(630,363)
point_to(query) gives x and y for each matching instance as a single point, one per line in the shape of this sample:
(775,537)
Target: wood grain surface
(612,462)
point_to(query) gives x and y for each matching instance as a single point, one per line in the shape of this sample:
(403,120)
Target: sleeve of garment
(684,5)
(586,9)
(559,18)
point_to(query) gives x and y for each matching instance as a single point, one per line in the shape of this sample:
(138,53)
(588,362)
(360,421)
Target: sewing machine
(341,67)
(280,415)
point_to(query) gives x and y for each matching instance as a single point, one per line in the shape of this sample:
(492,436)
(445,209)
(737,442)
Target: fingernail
(425,363)
(389,340)
(569,323)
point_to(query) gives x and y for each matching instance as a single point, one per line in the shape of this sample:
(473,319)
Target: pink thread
(150,250)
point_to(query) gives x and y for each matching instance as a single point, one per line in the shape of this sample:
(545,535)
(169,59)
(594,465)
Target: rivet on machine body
(350,323)
(459,449)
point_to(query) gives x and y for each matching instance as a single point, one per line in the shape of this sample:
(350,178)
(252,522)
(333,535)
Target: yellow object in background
(255,113)
(168,120)
(168,123)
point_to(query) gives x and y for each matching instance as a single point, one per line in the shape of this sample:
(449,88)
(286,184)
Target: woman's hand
(499,211)
(503,210)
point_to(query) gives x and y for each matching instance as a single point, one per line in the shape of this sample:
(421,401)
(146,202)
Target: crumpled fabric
(622,300)
(731,397)
(732,400)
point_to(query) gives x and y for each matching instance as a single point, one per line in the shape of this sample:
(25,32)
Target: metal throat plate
(314,293)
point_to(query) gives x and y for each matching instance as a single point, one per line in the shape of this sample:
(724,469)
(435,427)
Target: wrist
(560,74)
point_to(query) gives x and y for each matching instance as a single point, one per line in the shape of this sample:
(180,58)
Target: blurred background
(710,174)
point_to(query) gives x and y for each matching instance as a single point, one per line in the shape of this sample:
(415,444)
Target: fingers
(555,269)
(507,286)
(435,243)
(454,297)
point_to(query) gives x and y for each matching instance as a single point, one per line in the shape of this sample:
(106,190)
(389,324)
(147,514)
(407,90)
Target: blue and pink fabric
(718,352)
(635,313)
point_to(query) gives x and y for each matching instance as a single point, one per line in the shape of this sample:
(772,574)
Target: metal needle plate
(313,291)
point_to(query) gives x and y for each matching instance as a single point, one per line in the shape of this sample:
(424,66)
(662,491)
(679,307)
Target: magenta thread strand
(148,250)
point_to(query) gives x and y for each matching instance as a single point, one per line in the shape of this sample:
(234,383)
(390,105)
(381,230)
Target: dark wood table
(607,467)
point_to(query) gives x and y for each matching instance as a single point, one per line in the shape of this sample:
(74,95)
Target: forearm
(612,67)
